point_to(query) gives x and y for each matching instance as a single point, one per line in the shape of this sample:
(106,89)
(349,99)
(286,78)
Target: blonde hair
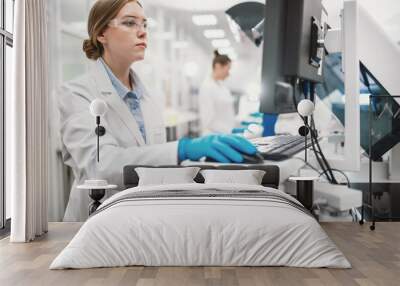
(102,12)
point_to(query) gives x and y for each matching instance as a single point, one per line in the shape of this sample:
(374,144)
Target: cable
(308,164)
(339,171)
(321,164)
(312,91)
(314,142)
(295,87)
(313,132)
(324,164)
(328,167)
(309,89)
(324,172)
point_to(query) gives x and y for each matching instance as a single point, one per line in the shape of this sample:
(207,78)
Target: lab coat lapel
(147,112)
(115,103)
(153,123)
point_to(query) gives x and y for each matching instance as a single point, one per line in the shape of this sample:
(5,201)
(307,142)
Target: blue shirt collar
(120,88)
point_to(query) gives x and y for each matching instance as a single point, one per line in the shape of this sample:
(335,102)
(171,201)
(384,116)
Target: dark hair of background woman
(220,59)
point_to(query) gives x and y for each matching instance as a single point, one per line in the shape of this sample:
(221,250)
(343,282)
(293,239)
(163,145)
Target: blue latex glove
(269,121)
(247,123)
(238,130)
(256,114)
(221,148)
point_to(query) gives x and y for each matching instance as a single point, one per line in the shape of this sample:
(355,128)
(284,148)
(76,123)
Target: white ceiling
(200,5)
(386,12)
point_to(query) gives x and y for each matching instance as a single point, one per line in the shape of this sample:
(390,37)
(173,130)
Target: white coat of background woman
(135,131)
(216,103)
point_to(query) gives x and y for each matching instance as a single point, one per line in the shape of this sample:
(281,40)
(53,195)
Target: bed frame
(270,179)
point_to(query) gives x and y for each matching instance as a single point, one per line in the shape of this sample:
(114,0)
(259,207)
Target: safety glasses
(129,24)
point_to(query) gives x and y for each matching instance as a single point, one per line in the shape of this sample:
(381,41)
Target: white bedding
(183,231)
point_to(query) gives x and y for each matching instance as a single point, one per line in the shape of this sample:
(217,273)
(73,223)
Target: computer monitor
(291,51)
(248,16)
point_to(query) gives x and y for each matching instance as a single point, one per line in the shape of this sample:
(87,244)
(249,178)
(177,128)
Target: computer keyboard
(280,147)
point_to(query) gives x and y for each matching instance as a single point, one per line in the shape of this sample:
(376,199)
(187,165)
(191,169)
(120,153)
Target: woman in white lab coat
(135,131)
(216,103)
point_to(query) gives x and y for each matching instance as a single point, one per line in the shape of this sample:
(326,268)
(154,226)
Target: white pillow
(248,177)
(166,176)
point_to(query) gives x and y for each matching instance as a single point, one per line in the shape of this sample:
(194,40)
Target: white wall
(385,12)
(333,7)
(163,70)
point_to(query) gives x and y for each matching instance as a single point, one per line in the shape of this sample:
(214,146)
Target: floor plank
(374,255)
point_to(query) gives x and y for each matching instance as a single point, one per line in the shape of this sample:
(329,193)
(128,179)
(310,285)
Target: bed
(198,224)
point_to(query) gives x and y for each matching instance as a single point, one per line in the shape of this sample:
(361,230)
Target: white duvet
(202,231)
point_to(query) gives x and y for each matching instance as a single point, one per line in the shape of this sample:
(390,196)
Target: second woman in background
(216,103)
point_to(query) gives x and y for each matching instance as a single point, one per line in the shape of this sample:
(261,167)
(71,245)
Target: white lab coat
(216,107)
(123,144)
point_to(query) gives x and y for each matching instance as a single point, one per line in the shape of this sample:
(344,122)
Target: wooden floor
(375,257)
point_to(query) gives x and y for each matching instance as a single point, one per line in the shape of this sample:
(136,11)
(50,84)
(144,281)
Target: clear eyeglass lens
(131,24)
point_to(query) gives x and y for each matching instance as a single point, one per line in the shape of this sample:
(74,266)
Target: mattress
(201,225)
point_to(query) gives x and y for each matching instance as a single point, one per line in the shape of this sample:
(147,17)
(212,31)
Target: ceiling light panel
(205,20)
(214,34)
(221,43)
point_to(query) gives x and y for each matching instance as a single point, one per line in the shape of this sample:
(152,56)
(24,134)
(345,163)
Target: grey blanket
(206,194)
